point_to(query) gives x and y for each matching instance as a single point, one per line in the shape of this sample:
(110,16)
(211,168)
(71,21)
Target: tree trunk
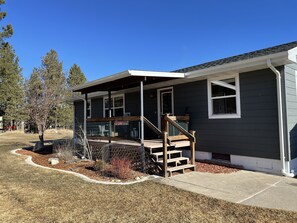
(41,134)
(39,145)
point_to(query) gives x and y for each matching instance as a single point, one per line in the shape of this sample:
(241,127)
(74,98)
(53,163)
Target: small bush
(65,150)
(99,165)
(120,168)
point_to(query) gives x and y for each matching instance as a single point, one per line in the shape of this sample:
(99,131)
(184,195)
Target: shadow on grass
(47,149)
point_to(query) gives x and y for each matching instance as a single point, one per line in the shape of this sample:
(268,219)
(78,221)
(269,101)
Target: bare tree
(45,90)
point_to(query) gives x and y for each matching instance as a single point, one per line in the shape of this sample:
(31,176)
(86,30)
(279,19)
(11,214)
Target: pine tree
(45,91)
(76,76)
(7,31)
(62,115)
(11,86)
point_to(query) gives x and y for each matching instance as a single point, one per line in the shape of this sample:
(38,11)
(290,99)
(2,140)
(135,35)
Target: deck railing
(128,127)
(119,128)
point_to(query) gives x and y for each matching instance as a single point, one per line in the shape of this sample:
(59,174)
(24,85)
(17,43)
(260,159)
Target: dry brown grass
(31,194)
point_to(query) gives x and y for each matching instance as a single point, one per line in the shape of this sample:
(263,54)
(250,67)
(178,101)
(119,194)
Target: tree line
(41,100)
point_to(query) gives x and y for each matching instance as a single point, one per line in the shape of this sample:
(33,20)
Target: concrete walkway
(245,187)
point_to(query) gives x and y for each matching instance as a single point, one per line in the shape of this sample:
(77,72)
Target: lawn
(31,194)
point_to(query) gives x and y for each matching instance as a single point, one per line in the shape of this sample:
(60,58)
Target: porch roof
(126,79)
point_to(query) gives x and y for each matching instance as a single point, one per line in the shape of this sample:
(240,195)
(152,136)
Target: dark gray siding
(291,108)
(254,134)
(96,108)
(132,102)
(79,115)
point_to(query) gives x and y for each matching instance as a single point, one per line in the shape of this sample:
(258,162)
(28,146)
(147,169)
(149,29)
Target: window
(223,97)
(89,109)
(117,106)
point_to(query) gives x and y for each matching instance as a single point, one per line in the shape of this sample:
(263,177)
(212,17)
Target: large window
(117,106)
(223,97)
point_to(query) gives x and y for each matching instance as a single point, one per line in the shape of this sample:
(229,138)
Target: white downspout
(280,121)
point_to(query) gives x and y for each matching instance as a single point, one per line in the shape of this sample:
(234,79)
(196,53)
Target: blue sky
(105,37)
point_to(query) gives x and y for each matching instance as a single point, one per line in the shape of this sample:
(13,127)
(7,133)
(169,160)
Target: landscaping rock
(137,178)
(53,161)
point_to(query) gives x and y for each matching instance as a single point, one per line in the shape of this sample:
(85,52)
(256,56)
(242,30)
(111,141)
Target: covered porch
(123,128)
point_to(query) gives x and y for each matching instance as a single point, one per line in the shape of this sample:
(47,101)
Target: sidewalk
(245,187)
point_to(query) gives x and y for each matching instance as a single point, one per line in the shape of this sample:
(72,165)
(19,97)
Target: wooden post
(192,146)
(165,135)
(165,124)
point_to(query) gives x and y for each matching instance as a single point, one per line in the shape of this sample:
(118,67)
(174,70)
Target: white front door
(165,103)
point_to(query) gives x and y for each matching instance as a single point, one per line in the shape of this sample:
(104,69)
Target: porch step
(181,167)
(175,160)
(178,138)
(169,153)
(160,149)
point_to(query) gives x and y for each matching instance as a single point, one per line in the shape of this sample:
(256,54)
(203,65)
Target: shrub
(120,168)
(99,165)
(64,150)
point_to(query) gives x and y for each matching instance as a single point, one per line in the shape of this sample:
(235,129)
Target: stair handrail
(155,129)
(180,128)
(152,126)
(190,135)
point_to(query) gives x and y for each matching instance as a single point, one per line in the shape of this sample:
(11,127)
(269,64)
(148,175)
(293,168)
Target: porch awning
(126,79)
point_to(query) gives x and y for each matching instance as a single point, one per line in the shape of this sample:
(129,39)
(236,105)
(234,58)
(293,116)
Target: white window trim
(112,97)
(210,108)
(90,102)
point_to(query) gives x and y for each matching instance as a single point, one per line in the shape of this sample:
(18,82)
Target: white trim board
(129,73)
(248,162)
(159,103)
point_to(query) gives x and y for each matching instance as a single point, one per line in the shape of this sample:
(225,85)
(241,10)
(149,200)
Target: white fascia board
(278,58)
(293,55)
(143,73)
(128,73)
(102,80)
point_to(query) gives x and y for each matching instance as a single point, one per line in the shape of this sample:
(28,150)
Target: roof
(126,79)
(129,79)
(240,57)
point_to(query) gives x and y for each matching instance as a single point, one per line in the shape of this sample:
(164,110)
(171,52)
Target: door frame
(159,102)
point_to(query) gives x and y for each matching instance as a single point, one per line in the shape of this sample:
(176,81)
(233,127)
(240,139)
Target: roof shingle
(245,56)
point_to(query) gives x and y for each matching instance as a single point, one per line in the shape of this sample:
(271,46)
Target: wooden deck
(152,143)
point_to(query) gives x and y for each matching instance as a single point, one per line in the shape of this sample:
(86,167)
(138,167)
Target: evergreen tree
(45,91)
(76,76)
(62,115)
(11,86)
(7,30)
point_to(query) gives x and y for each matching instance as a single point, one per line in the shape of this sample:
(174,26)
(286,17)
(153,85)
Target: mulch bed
(215,168)
(85,167)
(82,167)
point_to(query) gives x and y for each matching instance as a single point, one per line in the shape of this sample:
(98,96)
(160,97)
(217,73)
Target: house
(243,108)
